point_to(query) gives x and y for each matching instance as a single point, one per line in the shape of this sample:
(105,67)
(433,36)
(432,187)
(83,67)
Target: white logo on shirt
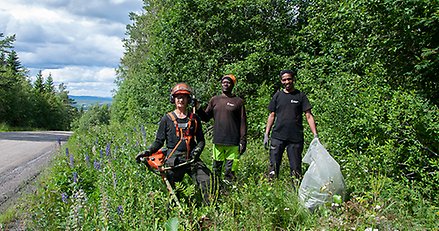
(294,101)
(230,104)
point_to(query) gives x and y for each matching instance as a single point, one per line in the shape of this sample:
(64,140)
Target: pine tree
(38,84)
(48,85)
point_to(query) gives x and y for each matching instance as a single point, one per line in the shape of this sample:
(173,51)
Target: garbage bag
(322,180)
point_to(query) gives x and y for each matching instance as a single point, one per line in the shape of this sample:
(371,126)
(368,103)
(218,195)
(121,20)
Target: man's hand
(266,141)
(242,148)
(196,153)
(141,155)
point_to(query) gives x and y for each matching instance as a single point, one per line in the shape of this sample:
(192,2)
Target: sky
(78,42)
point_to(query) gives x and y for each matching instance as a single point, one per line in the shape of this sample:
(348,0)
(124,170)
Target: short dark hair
(291,72)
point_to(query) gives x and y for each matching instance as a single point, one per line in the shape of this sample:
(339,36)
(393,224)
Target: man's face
(226,85)
(287,81)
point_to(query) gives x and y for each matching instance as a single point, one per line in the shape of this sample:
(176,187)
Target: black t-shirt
(289,108)
(230,119)
(167,132)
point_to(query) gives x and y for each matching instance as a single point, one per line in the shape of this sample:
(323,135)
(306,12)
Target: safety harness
(184,135)
(157,159)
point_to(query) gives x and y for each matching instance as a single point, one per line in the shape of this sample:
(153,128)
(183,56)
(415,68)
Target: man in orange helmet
(229,128)
(185,142)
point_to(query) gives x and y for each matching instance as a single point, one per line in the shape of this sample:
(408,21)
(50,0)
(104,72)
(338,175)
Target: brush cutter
(155,163)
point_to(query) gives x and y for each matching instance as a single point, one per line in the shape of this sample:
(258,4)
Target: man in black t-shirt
(286,109)
(229,128)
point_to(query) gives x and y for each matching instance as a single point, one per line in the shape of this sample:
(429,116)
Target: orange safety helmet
(181,88)
(231,77)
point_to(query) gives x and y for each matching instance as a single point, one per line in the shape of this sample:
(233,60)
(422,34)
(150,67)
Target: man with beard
(286,109)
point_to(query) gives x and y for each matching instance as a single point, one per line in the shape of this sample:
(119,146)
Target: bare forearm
(270,122)
(311,122)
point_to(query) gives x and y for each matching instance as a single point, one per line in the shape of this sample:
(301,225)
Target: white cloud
(82,80)
(77,41)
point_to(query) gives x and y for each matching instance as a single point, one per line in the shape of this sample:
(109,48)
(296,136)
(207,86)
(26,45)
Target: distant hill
(87,101)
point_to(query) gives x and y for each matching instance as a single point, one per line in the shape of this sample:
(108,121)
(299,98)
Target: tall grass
(94,183)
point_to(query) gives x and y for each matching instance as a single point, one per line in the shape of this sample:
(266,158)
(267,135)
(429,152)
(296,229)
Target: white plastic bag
(322,180)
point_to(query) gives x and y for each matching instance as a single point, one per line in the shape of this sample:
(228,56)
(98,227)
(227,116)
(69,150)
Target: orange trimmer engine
(156,160)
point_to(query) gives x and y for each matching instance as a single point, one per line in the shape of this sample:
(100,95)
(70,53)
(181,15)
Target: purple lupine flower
(142,128)
(59,141)
(87,159)
(75,177)
(72,162)
(114,180)
(101,153)
(135,129)
(64,197)
(107,149)
(67,152)
(115,151)
(97,165)
(120,210)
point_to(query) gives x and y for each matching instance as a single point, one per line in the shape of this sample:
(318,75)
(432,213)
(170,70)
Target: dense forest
(27,105)
(369,68)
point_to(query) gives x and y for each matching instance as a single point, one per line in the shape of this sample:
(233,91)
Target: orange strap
(187,136)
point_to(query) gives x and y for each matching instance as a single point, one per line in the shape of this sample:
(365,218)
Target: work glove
(242,148)
(316,136)
(196,153)
(266,141)
(141,155)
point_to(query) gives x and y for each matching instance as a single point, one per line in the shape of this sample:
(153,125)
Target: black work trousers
(199,173)
(294,152)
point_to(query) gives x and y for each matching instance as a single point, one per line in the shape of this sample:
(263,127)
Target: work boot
(271,175)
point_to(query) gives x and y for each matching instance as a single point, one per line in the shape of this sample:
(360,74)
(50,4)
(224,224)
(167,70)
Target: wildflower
(75,177)
(135,130)
(67,152)
(59,141)
(64,197)
(87,159)
(115,151)
(120,210)
(101,153)
(72,162)
(142,128)
(107,150)
(114,180)
(97,165)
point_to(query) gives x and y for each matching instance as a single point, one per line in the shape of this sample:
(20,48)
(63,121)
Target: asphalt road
(23,155)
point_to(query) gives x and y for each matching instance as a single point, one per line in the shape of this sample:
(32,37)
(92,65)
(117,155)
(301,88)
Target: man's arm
(311,122)
(243,131)
(270,122)
(205,115)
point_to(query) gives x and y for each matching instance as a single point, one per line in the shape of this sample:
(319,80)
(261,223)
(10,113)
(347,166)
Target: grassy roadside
(6,128)
(94,183)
